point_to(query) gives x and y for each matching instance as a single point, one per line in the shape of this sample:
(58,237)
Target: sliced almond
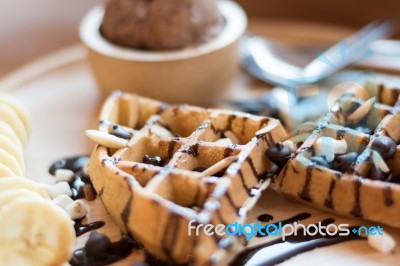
(106,139)
(218,166)
(362,111)
(378,160)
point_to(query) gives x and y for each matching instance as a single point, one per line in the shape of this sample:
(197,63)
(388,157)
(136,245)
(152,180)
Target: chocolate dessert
(161,24)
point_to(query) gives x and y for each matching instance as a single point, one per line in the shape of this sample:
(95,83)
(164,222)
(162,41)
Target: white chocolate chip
(63,201)
(64,175)
(76,210)
(161,132)
(105,139)
(290,145)
(377,159)
(60,188)
(218,166)
(384,243)
(329,147)
(231,136)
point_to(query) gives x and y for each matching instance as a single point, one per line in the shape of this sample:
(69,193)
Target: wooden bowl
(194,75)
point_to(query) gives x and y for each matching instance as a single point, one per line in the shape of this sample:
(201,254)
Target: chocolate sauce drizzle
(356,211)
(265,218)
(230,200)
(297,218)
(277,251)
(305,193)
(252,167)
(81,229)
(169,237)
(80,184)
(388,196)
(127,210)
(101,254)
(328,201)
(75,164)
(247,189)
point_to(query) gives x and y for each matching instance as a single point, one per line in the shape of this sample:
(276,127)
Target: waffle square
(181,163)
(364,180)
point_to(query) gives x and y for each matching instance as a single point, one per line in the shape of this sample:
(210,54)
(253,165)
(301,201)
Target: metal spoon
(259,58)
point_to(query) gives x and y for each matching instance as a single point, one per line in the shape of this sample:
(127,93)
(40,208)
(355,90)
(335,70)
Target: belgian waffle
(360,135)
(157,166)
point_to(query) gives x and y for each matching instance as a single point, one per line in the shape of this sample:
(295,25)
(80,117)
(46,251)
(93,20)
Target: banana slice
(34,231)
(11,183)
(5,171)
(6,130)
(9,115)
(9,196)
(13,150)
(9,161)
(18,108)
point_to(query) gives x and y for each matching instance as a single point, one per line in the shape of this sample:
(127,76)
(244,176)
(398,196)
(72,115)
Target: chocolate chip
(97,243)
(385,146)
(120,132)
(80,254)
(156,160)
(375,173)
(344,162)
(279,154)
(320,161)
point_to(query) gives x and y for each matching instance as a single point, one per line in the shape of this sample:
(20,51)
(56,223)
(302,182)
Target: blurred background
(32,28)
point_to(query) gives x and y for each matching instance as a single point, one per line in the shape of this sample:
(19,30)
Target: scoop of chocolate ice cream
(161,24)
